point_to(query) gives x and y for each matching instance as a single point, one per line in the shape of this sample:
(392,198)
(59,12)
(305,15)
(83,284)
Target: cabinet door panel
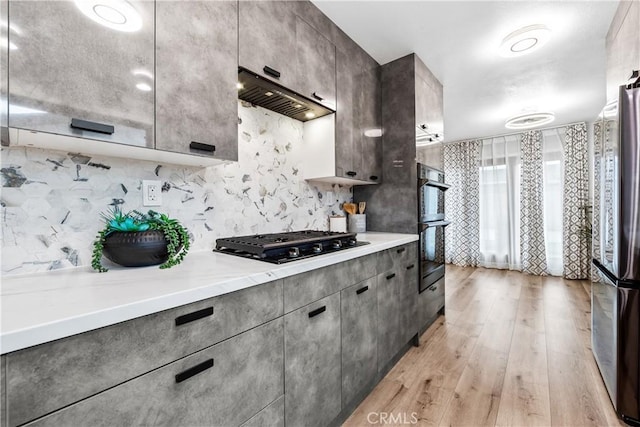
(370,118)
(389,317)
(67,66)
(345,94)
(359,337)
(268,39)
(196,66)
(247,374)
(316,58)
(312,363)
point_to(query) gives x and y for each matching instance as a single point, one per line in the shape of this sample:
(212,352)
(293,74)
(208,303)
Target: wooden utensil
(361,207)
(349,208)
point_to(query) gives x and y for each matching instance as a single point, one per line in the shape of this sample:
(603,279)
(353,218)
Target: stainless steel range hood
(267,94)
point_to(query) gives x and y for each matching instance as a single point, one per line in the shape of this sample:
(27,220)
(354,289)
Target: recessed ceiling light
(309,115)
(143,87)
(530,120)
(524,41)
(115,14)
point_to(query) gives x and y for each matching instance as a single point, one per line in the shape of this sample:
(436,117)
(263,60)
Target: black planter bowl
(136,248)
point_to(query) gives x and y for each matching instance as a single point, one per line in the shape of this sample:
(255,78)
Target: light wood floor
(512,350)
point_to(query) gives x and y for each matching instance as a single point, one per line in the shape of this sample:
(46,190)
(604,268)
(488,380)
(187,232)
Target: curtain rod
(514,133)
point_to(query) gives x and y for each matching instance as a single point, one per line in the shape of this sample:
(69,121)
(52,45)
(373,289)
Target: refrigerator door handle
(425,225)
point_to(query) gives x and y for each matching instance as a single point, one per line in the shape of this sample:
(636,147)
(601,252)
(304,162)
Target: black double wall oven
(431,224)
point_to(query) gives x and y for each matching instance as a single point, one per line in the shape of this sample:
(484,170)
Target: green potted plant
(136,239)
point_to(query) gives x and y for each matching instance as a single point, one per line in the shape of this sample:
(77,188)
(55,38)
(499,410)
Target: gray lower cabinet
(389,317)
(312,363)
(430,302)
(267,40)
(196,76)
(44,378)
(223,385)
(271,416)
(74,73)
(359,317)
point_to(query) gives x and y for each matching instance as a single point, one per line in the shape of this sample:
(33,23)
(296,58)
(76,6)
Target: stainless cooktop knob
(352,242)
(294,252)
(336,244)
(317,248)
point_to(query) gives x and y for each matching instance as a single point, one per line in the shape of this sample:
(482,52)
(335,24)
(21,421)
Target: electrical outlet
(151,193)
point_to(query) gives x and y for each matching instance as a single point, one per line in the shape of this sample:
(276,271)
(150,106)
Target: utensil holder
(358,223)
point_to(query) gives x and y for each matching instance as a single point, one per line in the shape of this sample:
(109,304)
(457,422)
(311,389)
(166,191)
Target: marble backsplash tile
(51,201)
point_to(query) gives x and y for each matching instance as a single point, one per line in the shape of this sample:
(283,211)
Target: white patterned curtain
(461,161)
(575,199)
(532,244)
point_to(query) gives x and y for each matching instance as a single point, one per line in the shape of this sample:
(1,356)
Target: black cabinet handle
(391,276)
(271,72)
(410,266)
(317,96)
(351,173)
(185,375)
(92,126)
(317,311)
(373,178)
(186,318)
(401,250)
(200,146)
(361,290)
(433,288)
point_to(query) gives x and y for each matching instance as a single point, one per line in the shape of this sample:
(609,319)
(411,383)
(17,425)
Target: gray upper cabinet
(316,60)
(312,375)
(196,76)
(267,37)
(94,66)
(358,154)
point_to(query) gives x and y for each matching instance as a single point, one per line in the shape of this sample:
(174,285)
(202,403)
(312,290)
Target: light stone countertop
(43,307)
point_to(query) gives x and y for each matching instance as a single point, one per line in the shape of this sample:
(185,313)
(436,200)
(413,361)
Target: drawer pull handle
(271,72)
(200,146)
(401,250)
(317,311)
(391,276)
(361,290)
(317,96)
(410,266)
(373,177)
(433,288)
(92,126)
(351,173)
(186,318)
(185,375)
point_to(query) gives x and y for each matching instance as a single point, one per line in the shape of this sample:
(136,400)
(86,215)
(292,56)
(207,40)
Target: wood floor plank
(513,350)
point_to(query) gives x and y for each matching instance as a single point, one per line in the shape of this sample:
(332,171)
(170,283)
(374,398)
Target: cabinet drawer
(396,258)
(44,378)
(223,385)
(271,416)
(302,289)
(430,301)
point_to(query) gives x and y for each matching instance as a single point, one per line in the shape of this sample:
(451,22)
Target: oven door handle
(431,183)
(425,225)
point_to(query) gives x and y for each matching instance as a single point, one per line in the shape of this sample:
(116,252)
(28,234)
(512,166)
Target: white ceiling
(458,41)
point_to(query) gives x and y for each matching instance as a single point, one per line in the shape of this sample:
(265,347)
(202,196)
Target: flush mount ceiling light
(530,120)
(524,41)
(115,14)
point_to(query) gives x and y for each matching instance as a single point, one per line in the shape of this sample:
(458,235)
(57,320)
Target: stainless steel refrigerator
(615,291)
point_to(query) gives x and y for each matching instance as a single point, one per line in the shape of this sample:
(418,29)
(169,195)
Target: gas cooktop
(279,248)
